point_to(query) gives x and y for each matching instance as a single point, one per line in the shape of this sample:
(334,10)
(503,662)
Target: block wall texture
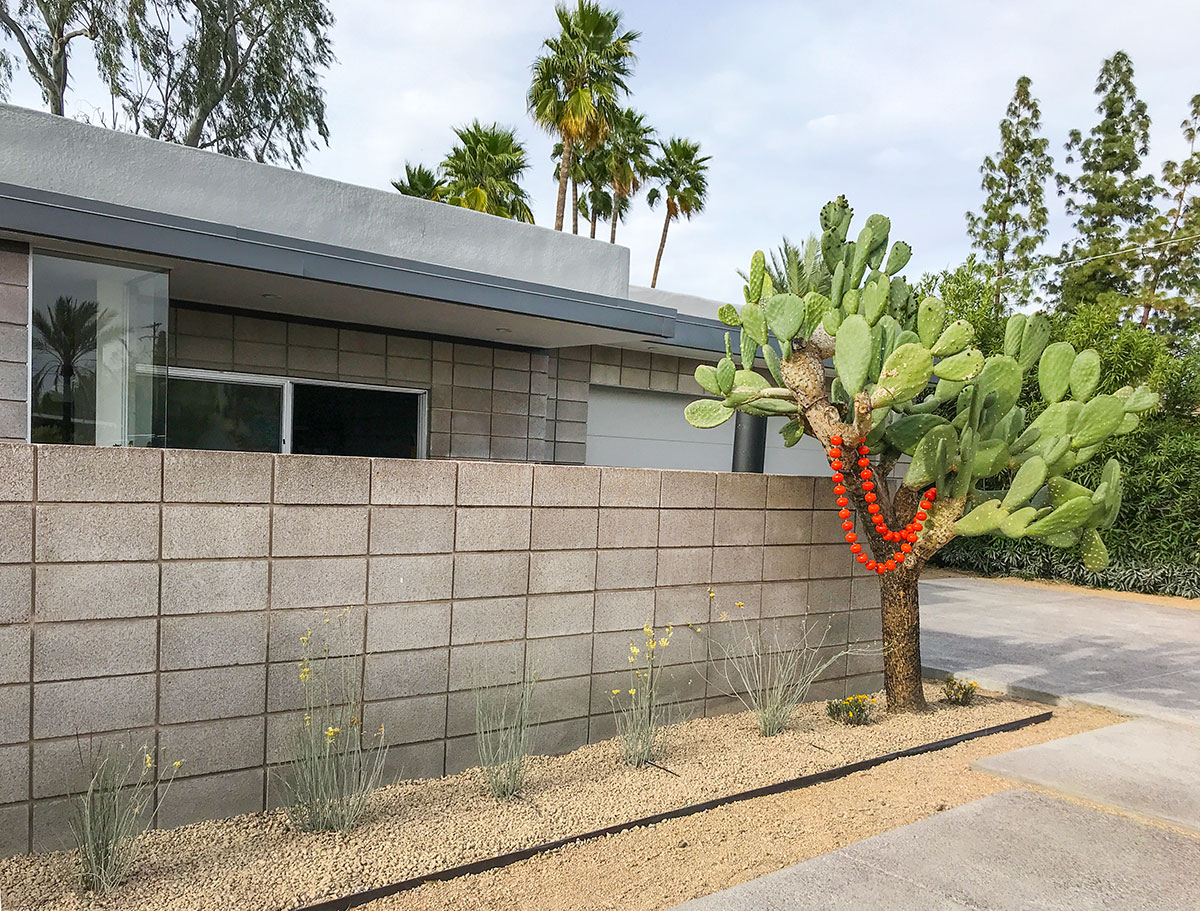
(156,597)
(14,341)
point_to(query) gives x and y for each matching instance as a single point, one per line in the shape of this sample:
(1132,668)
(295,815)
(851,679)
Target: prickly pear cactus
(899,371)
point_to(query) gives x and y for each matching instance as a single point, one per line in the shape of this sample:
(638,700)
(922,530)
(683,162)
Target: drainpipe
(749,442)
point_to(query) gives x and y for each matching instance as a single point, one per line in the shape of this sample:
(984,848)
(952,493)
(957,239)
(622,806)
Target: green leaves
(931,317)
(785,314)
(1085,374)
(1098,420)
(904,374)
(706,376)
(954,338)
(724,373)
(1054,371)
(961,366)
(984,518)
(1028,480)
(852,356)
(754,323)
(707,413)
(728,314)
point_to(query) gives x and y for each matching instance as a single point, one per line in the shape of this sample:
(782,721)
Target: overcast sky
(894,105)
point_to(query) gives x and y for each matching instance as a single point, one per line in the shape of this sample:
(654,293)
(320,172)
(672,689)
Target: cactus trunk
(900,603)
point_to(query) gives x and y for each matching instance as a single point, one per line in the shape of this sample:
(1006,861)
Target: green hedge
(1154,547)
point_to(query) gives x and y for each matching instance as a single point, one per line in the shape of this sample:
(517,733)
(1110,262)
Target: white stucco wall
(51,153)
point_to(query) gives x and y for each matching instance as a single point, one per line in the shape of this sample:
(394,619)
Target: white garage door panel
(641,429)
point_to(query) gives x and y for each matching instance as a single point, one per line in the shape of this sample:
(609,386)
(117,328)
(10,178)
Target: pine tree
(1110,197)
(1012,223)
(1172,249)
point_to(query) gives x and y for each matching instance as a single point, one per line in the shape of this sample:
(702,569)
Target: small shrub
(335,767)
(769,674)
(851,710)
(959,692)
(638,711)
(110,815)
(503,726)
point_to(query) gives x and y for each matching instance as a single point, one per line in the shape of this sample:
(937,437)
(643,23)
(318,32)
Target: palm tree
(577,80)
(576,176)
(66,334)
(484,169)
(629,159)
(681,173)
(418,181)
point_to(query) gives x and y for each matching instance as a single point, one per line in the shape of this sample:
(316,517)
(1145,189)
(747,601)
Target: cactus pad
(1054,371)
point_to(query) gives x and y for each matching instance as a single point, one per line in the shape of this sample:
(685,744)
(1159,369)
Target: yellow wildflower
(739,605)
(711,594)
(330,733)
(149,761)
(616,692)
(633,650)
(724,615)
(664,642)
(308,721)
(176,764)
(632,692)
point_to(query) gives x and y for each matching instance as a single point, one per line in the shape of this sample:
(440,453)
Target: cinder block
(462,753)
(212,746)
(368,367)
(14,342)
(207,323)
(554,700)
(789,492)
(51,830)
(316,362)
(624,610)
(830,561)
(488,620)
(789,526)
(682,605)
(14,830)
(412,529)
(315,531)
(16,533)
(339,631)
(559,614)
(628,527)
(492,528)
(412,720)
(827,527)
(562,571)
(212,796)
(96,591)
(409,761)
(464,446)
(864,593)
(556,737)
(319,582)
(14,303)
(253,329)
(420,577)
(606,375)
(14,773)
(285,688)
(740,526)
(214,586)
(570,453)
(93,648)
(259,357)
(90,705)
(626,568)
(508,448)
(14,713)
(190,531)
(313,336)
(610,653)
(411,673)
(402,346)
(489,664)
(212,640)
(322,480)
(510,403)
(14,377)
(630,486)
(202,695)
(737,564)
(99,474)
(471,422)
(866,625)
(360,342)
(16,592)
(741,490)
(81,532)
(830,595)
(64,766)
(566,485)
(689,489)
(14,654)
(784,599)
(726,597)
(491,575)
(395,627)
(560,656)
(564,528)
(785,561)
(405,371)
(685,566)
(685,527)
(495,484)
(193,476)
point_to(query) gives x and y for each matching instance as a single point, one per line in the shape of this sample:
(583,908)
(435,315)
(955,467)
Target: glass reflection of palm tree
(67,333)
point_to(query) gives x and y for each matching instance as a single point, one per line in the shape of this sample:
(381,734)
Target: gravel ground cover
(413,827)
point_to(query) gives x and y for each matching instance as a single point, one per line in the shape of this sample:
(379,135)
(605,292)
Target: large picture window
(99,340)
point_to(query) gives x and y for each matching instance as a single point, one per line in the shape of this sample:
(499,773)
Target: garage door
(641,429)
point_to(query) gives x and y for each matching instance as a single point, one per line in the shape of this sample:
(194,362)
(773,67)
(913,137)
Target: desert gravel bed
(258,862)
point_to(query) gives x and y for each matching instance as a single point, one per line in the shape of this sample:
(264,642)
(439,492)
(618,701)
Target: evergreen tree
(1012,223)
(1110,197)
(1172,249)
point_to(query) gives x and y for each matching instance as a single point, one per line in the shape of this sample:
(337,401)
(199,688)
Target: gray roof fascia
(39,212)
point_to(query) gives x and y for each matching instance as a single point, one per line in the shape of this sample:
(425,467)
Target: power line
(1087,259)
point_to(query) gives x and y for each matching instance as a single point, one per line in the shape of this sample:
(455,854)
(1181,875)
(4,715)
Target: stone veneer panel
(167,593)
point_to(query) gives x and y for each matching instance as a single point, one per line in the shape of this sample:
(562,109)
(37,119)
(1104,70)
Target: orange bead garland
(908,536)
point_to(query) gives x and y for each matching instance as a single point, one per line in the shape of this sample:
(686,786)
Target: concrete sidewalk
(1133,657)
(1012,851)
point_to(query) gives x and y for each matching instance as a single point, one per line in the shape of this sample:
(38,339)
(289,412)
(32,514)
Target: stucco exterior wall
(157,597)
(14,341)
(119,168)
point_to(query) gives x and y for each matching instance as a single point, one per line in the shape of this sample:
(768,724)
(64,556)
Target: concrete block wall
(14,341)
(156,597)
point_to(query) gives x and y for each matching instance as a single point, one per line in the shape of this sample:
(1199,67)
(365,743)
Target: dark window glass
(332,420)
(207,414)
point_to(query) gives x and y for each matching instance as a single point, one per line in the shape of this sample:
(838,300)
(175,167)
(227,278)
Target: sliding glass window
(99,353)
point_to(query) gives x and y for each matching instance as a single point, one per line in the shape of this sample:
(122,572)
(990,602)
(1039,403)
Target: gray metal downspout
(749,443)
